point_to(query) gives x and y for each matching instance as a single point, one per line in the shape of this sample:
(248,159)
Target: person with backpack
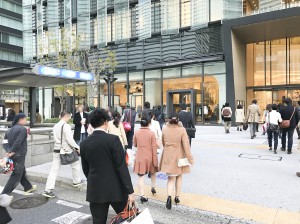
(227,114)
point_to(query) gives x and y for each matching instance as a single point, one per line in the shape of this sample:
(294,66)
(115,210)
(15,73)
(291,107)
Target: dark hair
(11,112)
(239,106)
(145,121)
(183,106)
(226,104)
(274,107)
(37,110)
(254,101)
(147,105)
(287,101)
(98,117)
(173,118)
(116,116)
(64,113)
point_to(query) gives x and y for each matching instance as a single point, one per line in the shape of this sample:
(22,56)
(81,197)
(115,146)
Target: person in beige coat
(115,127)
(176,146)
(146,161)
(253,115)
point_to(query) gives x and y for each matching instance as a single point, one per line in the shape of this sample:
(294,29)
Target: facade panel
(144,19)
(83,24)
(122,21)
(101,23)
(169,17)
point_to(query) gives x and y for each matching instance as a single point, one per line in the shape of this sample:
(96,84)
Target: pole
(98,100)
(73,101)
(113,91)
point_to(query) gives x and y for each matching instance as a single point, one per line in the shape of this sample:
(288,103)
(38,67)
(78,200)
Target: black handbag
(191,132)
(245,126)
(67,158)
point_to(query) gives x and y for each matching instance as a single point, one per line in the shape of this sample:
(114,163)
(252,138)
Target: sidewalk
(260,186)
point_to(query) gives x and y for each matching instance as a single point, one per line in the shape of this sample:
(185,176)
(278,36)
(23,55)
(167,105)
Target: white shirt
(82,126)
(155,127)
(273,117)
(100,129)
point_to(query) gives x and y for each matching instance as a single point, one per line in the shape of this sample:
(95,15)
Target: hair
(145,121)
(254,101)
(274,107)
(64,113)
(226,104)
(116,116)
(98,117)
(287,101)
(183,106)
(239,106)
(173,118)
(11,112)
(147,105)
(37,110)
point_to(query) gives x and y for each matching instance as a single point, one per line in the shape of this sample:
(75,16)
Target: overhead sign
(62,73)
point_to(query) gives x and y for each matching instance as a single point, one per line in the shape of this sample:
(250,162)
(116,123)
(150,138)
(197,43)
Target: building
(198,52)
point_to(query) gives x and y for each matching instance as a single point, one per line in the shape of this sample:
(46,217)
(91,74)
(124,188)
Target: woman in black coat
(81,124)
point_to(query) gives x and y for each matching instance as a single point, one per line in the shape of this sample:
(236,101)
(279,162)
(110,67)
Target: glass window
(136,76)
(153,74)
(214,68)
(185,13)
(171,72)
(12,56)
(5,38)
(294,60)
(216,10)
(121,77)
(5,55)
(278,62)
(192,70)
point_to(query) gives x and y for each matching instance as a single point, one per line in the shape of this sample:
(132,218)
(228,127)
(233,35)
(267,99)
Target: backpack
(226,112)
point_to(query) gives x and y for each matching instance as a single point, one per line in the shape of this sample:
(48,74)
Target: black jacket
(77,123)
(104,165)
(17,140)
(286,113)
(186,119)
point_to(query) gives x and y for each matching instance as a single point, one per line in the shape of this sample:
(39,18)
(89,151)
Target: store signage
(63,73)
(144,19)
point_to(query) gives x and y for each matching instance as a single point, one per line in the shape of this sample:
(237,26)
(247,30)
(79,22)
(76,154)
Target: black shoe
(282,149)
(177,201)
(289,152)
(270,149)
(169,203)
(275,152)
(153,190)
(238,128)
(298,137)
(49,194)
(143,199)
(252,137)
(241,130)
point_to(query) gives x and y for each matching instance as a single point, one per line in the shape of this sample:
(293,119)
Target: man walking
(227,113)
(81,125)
(147,109)
(186,118)
(63,141)
(16,150)
(104,166)
(253,114)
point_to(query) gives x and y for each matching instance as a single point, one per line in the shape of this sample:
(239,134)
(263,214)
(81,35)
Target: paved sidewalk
(257,186)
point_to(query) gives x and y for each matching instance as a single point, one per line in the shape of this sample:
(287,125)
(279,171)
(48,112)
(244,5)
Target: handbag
(245,126)
(287,123)
(191,132)
(127,125)
(144,217)
(183,161)
(126,214)
(272,127)
(67,158)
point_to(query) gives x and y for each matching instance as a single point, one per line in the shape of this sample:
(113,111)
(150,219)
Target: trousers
(252,127)
(100,210)
(17,176)
(287,132)
(273,135)
(4,216)
(227,125)
(56,164)
(129,136)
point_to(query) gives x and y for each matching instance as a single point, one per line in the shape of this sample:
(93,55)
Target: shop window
(294,60)
(278,62)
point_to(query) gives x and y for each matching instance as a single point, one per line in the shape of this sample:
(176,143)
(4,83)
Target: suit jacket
(103,164)
(186,119)
(77,123)
(286,113)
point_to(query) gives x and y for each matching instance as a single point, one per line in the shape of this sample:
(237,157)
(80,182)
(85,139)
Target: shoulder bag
(183,161)
(126,124)
(67,158)
(287,123)
(272,127)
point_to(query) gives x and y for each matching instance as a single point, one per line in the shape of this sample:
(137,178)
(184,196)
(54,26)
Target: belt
(56,151)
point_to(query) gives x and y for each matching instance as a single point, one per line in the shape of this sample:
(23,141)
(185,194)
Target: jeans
(82,137)
(100,210)
(54,171)
(129,136)
(252,127)
(273,135)
(4,216)
(17,176)
(289,132)
(227,125)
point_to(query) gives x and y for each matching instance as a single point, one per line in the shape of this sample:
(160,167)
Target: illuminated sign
(63,73)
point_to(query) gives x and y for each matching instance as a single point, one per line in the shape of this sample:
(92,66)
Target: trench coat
(239,116)
(176,146)
(146,160)
(253,113)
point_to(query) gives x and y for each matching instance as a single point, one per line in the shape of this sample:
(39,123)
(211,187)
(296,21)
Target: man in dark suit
(103,163)
(187,121)
(81,124)
(145,112)
(288,112)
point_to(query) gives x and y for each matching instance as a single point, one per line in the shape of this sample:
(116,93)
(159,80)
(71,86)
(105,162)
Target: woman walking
(155,127)
(146,157)
(273,118)
(115,127)
(239,117)
(176,146)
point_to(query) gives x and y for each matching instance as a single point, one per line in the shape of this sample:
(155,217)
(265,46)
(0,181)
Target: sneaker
(282,149)
(49,194)
(79,184)
(289,152)
(34,187)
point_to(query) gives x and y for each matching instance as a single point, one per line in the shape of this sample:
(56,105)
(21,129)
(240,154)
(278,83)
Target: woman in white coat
(239,117)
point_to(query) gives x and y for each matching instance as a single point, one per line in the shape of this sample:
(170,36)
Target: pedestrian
(146,157)
(115,127)
(147,109)
(187,120)
(129,116)
(227,114)
(81,125)
(38,116)
(104,166)
(176,147)
(5,201)
(288,113)
(253,114)
(16,150)
(273,118)
(159,116)
(298,111)
(63,143)
(155,127)
(266,112)
(11,114)
(239,117)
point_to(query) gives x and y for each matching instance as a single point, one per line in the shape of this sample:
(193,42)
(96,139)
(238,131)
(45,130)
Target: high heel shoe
(169,203)
(153,190)
(177,200)
(143,199)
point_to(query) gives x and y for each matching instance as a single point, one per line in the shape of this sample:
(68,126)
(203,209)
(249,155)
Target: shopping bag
(144,217)
(131,157)
(126,214)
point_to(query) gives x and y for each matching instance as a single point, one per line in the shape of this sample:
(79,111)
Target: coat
(118,131)
(146,157)
(103,164)
(239,116)
(253,113)
(286,113)
(176,146)
(77,123)
(17,140)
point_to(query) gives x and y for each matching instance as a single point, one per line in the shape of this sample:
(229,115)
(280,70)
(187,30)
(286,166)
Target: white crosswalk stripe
(69,204)
(71,218)
(16,191)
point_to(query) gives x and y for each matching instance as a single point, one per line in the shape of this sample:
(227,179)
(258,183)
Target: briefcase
(191,132)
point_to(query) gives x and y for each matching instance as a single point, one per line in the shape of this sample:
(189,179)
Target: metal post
(32,103)
(113,92)
(99,89)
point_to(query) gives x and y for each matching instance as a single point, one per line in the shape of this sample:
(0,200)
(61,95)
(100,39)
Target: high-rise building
(199,52)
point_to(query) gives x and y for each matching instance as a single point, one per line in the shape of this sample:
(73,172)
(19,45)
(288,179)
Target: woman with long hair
(115,127)
(146,157)
(176,147)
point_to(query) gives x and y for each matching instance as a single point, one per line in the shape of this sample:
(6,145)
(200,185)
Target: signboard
(144,19)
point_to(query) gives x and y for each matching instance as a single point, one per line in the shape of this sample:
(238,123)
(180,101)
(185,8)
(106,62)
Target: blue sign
(63,73)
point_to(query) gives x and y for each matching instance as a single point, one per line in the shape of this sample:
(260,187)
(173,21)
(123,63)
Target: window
(11,6)
(8,22)
(185,13)
(5,38)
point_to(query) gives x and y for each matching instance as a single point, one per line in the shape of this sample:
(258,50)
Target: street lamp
(109,79)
